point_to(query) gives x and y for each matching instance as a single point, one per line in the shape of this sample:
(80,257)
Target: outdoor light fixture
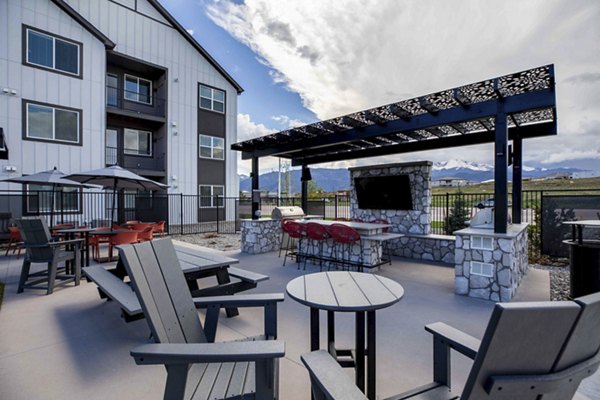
(306,176)
(173,123)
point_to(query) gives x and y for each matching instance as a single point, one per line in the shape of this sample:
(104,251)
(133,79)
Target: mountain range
(334,179)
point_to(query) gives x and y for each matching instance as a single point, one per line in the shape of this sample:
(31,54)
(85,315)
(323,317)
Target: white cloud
(288,122)
(247,129)
(344,56)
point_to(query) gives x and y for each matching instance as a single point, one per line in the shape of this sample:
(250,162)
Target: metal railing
(115,156)
(135,101)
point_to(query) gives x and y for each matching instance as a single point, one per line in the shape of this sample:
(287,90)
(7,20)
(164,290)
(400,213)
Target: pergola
(511,107)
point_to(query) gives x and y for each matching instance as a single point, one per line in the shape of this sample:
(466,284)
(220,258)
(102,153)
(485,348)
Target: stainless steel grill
(287,212)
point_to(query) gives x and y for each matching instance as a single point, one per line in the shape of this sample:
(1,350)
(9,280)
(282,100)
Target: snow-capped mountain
(461,164)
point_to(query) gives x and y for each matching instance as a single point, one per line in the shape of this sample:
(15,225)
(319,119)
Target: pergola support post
(517,186)
(305,178)
(255,193)
(501,174)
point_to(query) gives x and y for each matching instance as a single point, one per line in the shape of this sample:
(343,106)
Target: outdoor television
(384,192)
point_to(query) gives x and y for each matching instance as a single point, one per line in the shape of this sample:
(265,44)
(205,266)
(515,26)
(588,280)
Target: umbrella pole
(52,207)
(112,214)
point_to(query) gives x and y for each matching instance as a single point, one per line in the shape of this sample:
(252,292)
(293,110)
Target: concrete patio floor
(73,345)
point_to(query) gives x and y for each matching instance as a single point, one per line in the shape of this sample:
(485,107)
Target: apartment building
(86,84)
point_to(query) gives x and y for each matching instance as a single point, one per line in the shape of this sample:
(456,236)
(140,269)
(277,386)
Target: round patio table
(343,291)
(585,259)
(71,233)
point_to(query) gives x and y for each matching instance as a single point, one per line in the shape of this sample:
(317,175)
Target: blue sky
(305,60)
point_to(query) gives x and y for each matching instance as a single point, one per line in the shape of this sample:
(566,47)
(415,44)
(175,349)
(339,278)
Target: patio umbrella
(53,178)
(115,177)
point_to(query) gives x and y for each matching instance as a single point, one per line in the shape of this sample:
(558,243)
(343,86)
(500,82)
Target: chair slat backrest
(521,338)
(34,231)
(160,285)
(583,344)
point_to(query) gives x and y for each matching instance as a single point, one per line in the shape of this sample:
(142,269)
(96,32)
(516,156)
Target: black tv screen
(384,192)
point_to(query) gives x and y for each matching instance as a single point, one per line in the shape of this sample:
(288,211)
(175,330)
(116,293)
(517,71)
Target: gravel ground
(217,241)
(559,280)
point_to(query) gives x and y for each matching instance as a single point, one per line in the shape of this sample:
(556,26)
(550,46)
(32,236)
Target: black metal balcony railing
(130,160)
(135,101)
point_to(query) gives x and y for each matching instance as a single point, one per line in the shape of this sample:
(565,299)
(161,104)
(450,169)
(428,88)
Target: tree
(458,215)
(314,190)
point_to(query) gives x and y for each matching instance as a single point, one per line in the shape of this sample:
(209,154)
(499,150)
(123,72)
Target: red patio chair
(159,228)
(126,237)
(97,240)
(14,241)
(145,235)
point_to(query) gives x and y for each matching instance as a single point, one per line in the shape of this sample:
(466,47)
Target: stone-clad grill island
(489,261)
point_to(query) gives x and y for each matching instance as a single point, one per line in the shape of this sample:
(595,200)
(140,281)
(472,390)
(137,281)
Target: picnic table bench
(196,264)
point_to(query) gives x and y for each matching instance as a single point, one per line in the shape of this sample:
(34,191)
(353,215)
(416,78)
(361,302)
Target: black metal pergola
(511,107)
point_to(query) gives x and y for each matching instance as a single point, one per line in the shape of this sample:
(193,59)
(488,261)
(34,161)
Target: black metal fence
(192,214)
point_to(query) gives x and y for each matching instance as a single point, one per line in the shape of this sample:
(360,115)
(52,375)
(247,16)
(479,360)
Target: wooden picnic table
(197,264)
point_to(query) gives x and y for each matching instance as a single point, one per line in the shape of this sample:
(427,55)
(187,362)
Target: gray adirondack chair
(41,248)
(198,368)
(530,351)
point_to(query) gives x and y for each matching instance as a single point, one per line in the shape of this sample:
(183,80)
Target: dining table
(72,233)
(344,291)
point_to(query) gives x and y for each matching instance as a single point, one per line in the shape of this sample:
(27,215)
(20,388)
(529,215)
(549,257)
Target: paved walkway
(72,345)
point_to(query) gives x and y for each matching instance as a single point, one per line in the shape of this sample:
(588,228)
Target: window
(39,199)
(50,123)
(138,143)
(208,193)
(138,89)
(51,52)
(212,147)
(212,99)
(3,147)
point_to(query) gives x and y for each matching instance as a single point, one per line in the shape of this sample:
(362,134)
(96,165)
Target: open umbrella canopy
(52,177)
(115,177)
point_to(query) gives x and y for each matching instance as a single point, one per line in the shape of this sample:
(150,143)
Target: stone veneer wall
(425,247)
(417,220)
(260,236)
(509,257)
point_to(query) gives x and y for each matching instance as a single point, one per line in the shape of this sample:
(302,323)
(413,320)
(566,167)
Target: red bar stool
(297,232)
(284,231)
(385,248)
(316,233)
(346,237)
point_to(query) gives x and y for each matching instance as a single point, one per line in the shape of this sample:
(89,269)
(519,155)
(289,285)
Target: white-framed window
(51,123)
(212,99)
(211,147)
(138,89)
(208,195)
(137,142)
(51,52)
(482,269)
(482,242)
(39,199)
(2,140)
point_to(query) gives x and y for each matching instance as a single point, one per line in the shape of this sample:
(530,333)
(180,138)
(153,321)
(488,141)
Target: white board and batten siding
(36,84)
(144,34)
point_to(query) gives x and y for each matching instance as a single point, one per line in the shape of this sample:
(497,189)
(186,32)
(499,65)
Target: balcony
(140,163)
(135,104)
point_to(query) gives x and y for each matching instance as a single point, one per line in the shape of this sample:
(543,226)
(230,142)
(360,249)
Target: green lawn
(550,184)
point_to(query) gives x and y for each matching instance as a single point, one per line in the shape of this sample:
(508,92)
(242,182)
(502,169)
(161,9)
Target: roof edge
(87,25)
(194,43)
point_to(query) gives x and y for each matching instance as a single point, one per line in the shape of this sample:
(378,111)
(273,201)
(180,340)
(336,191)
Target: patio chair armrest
(239,300)
(191,353)
(455,339)
(213,304)
(66,242)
